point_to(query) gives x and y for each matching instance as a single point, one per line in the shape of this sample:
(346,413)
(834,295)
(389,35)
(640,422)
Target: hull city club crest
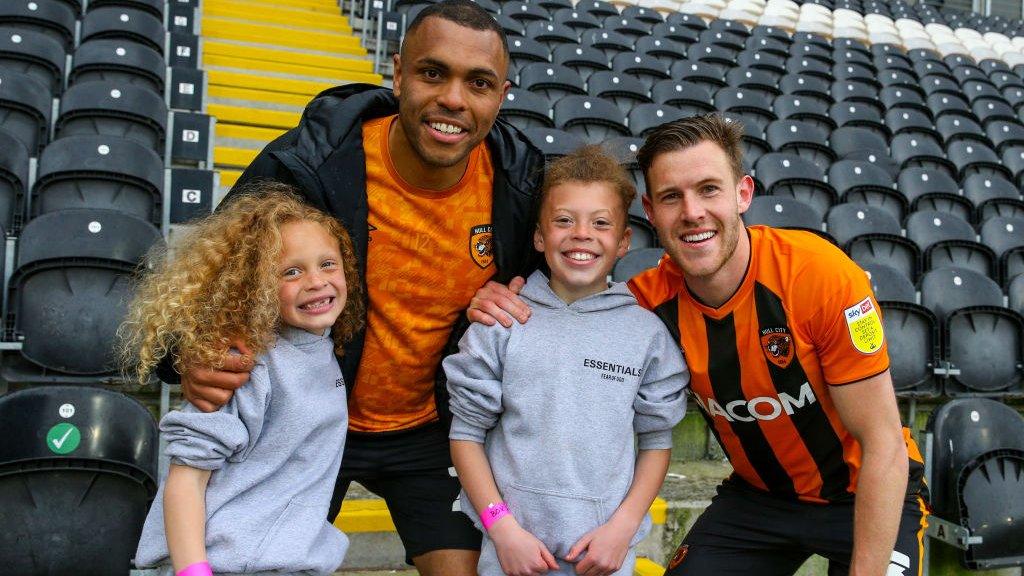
(777,344)
(480,245)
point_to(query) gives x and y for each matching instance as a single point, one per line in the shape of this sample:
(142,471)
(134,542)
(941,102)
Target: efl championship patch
(865,326)
(777,344)
(480,245)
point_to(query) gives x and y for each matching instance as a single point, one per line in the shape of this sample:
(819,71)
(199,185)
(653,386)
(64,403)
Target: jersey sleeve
(474,381)
(661,400)
(206,440)
(847,328)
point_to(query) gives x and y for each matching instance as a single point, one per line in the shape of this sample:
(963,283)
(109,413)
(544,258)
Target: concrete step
(306,58)
(289,70)
(277,15)
(254,116)
(257,98)
(226,156)
(226,29)
(261,136)
(261,104)
(326,6)
(248,81)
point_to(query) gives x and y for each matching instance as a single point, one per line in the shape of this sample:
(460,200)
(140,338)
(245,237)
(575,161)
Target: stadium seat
(524,109)
(682,34)
(646,117)
(850,139)
(644,67)
(761,60)
(608,42)
(911,120)
(551,80)
(585,60)
(621,89)
(942,104)
(860,115)
(972,157)
(644,235)
(154,7)
(810,67)
(802,139)
(99,172)
(755,79)
(692,99)
(977,478)
(949,241)
(116,110)
(13,180)
(782,212)
(575,19)
(592,119)
(25,108)
(117,23)
(34,54)
(553,143)
(597,8)
(754,107)
(720,58)
(790,175)
(51,18)
(895,251)
(810,110)
(525,12)
(981,189)
(986,345)
(551,35)
(118,61)
(624,149)
(944,290)
(912,335)
(1004,134)
(927,189)
(807,86)
(1002,235)
(629,27)
(847,221)
(990,110)
(915,150)
(69,291)
(899,97)
(665,50)
(636,261)
(697,72)
(952,128)
(78,469)
(861,182)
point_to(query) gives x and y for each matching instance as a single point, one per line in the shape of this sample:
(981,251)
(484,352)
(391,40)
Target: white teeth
(698,237)
(581,256)
(446,128)
(316,305)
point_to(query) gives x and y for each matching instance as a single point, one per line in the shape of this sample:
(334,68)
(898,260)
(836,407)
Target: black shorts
(745,531)
(410,470)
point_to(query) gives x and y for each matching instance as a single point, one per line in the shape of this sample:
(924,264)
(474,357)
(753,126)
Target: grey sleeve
(206,440)
(661,400)
(474,381)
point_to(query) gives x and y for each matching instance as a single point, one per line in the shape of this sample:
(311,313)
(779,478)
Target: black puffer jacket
(323,157)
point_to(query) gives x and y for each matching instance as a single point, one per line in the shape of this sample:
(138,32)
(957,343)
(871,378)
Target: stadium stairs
(265,61)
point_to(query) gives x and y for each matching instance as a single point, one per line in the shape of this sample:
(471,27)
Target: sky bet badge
(865,326)
(480,245)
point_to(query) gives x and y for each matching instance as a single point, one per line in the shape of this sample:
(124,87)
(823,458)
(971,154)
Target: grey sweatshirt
(275,450)
(556,403)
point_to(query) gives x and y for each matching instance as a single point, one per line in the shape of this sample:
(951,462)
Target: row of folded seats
(101,135)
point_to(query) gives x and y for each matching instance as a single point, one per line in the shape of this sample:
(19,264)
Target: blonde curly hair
(222,284)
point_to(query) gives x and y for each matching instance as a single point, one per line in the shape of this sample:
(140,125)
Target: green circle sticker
(63,438)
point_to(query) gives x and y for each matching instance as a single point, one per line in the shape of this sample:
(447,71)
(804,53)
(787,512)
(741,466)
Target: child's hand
(606,547)
(519,552)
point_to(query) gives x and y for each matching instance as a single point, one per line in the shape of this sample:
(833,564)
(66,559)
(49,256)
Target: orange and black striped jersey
(803,319)
(428,253)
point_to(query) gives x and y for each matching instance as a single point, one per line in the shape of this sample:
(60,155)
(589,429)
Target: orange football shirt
(429,252)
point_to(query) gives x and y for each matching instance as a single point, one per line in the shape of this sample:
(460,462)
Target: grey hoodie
(275,450)
(556,402)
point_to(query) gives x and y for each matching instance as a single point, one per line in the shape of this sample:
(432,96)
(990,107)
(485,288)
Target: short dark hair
(587,165)
(686,132)
(464,13)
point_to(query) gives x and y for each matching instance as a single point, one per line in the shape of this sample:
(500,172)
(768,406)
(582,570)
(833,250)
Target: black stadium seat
(551,80)
(698,72)
(928,189)
(585,60)
(118,110)
(154,7)
(99,172)
(35,54)
(952,128)
(551,35)
(847,221)
(754,107)
(802,139)
(810,110)
(576,19)
(13,180)
(947,289)
(665,50)
(790,175)
(977,477)
(118,23)
(78,469)
(861,182)
(552,142)
(49,17)
(915,150)
(949,241)
(645,67)
(781,212)
(590,118)
(525,109)
(890,285)
(25,108)
(891,250)
(69,291)
(118,61)
(971,157)
(608,42)
(623,90)
(636,261)
(646,117)
(692,99)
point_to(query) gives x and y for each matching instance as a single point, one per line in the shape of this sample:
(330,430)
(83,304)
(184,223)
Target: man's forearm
(881,489)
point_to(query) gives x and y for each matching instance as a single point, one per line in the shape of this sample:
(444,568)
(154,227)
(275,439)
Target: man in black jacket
(438,199)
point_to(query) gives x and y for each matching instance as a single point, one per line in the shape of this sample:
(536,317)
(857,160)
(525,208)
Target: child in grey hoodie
(249,485)
(546,413)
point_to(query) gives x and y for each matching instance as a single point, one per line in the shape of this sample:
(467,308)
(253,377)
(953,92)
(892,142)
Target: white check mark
(59,443)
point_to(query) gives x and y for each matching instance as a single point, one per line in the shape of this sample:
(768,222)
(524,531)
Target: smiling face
(582,231)
(695,202)
(311,280)
(450,83)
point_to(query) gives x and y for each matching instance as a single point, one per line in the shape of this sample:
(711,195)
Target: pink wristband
(197,569)
(493,513)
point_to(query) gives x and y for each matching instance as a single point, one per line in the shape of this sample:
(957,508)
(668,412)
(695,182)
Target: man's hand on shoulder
(210,388)
(495,302)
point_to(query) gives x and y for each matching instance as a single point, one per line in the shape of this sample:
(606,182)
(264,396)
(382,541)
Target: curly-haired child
(249,486)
